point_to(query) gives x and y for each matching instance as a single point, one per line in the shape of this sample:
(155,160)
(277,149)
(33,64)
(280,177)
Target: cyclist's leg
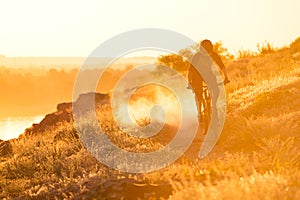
(199,101)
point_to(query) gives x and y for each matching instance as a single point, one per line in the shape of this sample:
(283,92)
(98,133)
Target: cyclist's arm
(217,59)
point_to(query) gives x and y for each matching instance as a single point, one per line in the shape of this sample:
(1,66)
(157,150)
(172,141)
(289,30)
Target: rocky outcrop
(64,112)
(83,103)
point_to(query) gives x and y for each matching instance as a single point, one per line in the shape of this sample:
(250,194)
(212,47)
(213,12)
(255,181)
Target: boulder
(83,105)
(65,107)
(64,112)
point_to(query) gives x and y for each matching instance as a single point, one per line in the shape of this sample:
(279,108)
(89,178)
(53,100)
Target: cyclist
(204,58)
(195,78)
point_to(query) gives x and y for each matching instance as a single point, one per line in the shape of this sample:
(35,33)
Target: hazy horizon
(77,28)
(61,62)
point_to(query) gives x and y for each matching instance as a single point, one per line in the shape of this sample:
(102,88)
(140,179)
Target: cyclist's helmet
(207,45)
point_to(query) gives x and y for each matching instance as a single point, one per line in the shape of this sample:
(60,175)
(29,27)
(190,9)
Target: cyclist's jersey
(204,62)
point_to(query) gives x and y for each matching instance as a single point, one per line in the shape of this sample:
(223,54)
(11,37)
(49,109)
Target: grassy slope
(261,135)
(257,156)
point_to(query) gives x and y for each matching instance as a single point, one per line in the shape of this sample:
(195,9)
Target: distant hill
(61,62)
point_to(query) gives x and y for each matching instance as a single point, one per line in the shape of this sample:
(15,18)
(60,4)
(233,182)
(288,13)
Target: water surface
(12,127)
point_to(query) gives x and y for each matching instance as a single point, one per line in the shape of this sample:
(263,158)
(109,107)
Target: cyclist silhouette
(204,60)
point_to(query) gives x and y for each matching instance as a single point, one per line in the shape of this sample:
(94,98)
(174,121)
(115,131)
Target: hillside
(257,156)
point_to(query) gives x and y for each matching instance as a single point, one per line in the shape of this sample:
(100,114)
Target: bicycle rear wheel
(206,109)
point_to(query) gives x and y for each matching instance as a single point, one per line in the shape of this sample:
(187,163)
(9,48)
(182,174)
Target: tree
(188,52)
(174,61)
(222,51)
(180,61)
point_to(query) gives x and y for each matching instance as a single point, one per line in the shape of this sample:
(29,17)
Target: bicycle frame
(204,109)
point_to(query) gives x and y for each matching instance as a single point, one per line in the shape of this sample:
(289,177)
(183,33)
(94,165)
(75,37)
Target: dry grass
(257,157)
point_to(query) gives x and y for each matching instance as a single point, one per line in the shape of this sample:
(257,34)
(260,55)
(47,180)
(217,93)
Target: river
(12,127)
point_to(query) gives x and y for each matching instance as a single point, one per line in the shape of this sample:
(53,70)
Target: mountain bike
(205,109)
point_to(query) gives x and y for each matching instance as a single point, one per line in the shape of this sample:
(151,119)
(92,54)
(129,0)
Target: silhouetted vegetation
(295,46)
(180,61)
(27,94)
(265,48)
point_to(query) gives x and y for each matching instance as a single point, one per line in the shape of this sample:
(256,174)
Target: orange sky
(75,28)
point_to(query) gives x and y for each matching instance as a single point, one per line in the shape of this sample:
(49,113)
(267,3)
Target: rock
(64,111)
(50,120)
(65,107)
(83,105)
